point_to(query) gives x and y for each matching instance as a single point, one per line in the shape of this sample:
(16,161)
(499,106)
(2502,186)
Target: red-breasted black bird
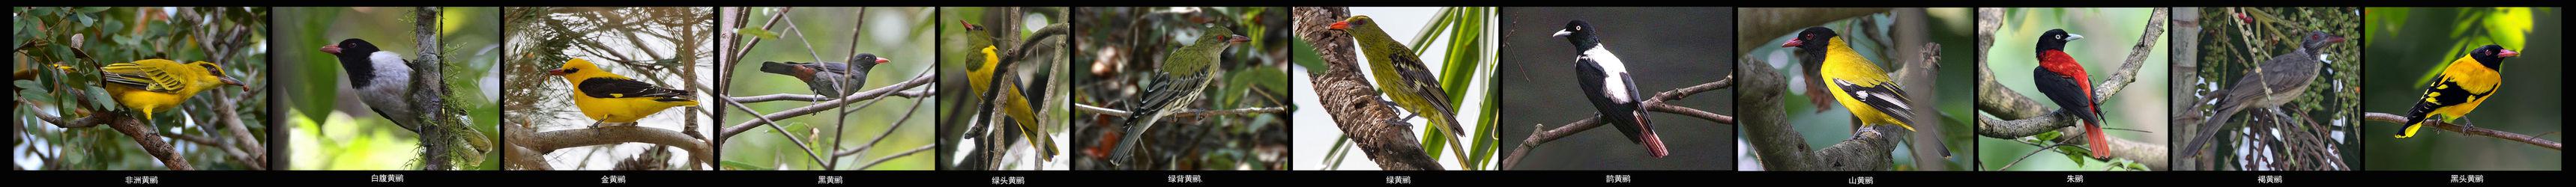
(2065,82)
(829,79)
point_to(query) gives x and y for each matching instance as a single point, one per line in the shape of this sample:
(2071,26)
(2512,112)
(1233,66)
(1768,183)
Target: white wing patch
(1872,95)
(1615,86)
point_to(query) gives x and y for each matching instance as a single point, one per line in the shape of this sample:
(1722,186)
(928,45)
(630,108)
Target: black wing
(604,87)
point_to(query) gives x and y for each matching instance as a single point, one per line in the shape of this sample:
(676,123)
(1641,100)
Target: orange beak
(558,72)
(333,49)
(1342,25)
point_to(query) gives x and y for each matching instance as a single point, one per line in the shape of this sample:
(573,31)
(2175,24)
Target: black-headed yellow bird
(986,79)
(612,98)
(829,79)
(153,85)
(1177,84)
(2460,88)
(1857,83)
(2277,81)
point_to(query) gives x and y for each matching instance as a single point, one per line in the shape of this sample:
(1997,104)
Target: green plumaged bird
(1175,85)
(1401,75)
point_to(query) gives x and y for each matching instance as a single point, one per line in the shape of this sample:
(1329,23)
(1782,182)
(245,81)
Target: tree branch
(1180,114)
(2465,129)
(152,144)
(541,143)
(812,97)
(1543,135)
(1354,105)
(2033,118)
(730,131)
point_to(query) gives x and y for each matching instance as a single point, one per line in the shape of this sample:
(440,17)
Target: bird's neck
(1836,48)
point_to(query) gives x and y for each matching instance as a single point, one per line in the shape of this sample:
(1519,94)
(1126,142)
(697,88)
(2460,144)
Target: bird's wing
(147,77)
(1883,95)
(604,87)
(1420,78)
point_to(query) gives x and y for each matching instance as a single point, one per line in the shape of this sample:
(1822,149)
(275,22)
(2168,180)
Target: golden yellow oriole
(612,98)
(153,85)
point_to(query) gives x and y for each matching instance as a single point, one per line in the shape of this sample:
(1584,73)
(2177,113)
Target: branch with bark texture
(767,119)
(1542,135)
(1354,105)
(1779,146)
(528,147)
(2467,129)
(2032,118)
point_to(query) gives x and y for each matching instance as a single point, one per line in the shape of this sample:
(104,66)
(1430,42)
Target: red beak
(558,72)
(2508,53)
(883,60)
(333,49)
(1792,43)
(1342,25)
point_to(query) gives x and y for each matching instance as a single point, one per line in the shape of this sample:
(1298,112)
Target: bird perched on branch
(1856,82)
(154,85)
(384,80)
(1612,90)
(829,79)
(2065,82)
(2275,82)
(1402,77)
(2467,82)
(612,98)
(1176,84)
(983,65)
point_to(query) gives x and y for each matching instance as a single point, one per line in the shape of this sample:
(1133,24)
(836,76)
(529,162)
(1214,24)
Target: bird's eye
(210,68)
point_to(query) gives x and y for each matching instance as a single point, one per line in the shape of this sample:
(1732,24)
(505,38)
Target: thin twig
(2466,129)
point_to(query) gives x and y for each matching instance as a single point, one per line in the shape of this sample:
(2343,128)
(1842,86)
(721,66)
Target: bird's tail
(1654,144)
(2209,129)
(2094,138)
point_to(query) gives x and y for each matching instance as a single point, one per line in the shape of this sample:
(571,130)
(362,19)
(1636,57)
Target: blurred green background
(1137,39)
(2411,45)
(86,38)
(335,131)
(2108,35)
(1951,27)
(824,34)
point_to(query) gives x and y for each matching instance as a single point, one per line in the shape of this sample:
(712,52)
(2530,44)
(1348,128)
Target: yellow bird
(2460,88)
(611,98)
(1857,83)
(153,85)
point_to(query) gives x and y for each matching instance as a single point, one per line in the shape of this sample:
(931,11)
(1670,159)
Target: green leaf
(98,98)
(2073,154)
(757,32)
(90,9)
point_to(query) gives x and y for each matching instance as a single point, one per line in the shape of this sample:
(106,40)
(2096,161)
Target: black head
(865,60)
(2319,39)
(1579,33)
(2056,39)
(1813,40)
(352,47)
(2492,55)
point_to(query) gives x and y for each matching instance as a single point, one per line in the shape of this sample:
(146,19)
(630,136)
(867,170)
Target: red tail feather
(2093,137)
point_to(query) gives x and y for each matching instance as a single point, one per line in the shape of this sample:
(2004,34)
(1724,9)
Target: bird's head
(1220,36)
(970,26)
(352,46)
(869,59)
(2055,39)
(1814,39)
(575,66)
(1579,33)
(216,73)
(2319,39)
(2492,55)
(1354,21)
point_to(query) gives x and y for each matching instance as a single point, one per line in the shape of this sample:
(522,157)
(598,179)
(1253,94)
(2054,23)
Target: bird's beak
(333,49)
(1792,43)
(1238,39)
(883,60)
(2073,37)
(2508,53)
(1563,33)
(1341,25)
(2334,39)
(235,83)
(558,72)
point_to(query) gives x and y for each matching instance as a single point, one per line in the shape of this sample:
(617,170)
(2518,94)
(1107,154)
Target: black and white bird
(1606,82)
(382,78)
